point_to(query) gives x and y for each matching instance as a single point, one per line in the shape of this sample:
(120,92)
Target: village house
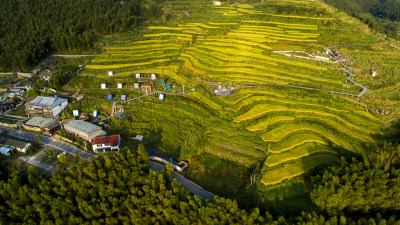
(85,130)
(45,75)
(106,143)
(5,150)
(13,142)
(46,106)
(41,124)
(16,92)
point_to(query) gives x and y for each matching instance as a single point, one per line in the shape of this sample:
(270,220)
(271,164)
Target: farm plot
(297,153)
(140,54)
(299,131)
(296,168)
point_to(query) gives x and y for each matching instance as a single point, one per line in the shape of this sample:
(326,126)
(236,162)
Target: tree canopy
(30,30)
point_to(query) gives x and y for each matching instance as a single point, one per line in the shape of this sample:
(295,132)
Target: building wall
(103,146)
(35,111)
(58,109)
(45,111)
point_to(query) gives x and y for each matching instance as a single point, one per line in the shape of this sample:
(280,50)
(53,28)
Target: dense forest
(121,189)
(380,15)
(30,30)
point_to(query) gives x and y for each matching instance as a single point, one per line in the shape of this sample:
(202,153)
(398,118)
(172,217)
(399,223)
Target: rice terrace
(254,97)
(286,114)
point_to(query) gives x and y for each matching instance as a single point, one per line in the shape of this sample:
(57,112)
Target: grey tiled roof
(48,101)
(83,126)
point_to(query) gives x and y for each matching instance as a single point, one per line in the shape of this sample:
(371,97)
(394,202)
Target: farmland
(284,131)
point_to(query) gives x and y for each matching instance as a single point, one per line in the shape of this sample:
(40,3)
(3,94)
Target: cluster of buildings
(44,113)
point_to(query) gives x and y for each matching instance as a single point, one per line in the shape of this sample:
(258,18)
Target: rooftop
(82,126)
(16,90)
(39,122)
(13,142)
(45,74)
(111,140)
(48,101)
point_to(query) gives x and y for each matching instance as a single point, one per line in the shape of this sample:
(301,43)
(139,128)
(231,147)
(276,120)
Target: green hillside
(277,130)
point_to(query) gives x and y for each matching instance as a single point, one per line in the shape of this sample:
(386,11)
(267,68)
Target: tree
(143,154)
(33,92)
(39,138)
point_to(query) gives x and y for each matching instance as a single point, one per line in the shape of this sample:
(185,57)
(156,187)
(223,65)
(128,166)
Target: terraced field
(293,130)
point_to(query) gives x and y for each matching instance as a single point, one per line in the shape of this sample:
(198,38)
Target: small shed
(136,85)
(374,73)
(146,89)
(138,76)
(138,137)
(5,150)
(75,112)
(103,86)
(216,3)
(110,73)
(153,76)
(119,85)
(123,97)
(95,113)
(45,75)
(161,97)
(168,87)
(110,97)
(162,82)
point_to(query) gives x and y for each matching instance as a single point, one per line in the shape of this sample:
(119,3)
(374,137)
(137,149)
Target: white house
(153,76)
(106,143)
(110,73)
(138,76)
(119,85)
(103,86)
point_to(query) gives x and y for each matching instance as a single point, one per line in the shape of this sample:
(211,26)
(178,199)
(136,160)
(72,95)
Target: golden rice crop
(116,66)
(295,140)
(268,121)
(212,23)
(264,57)
(297,153)
(164,28)
(240,69)
(287,171)
(207,101)
(146,47)
(301,17)
(167,34)
(279,23)
(234,41)
(279,133)
(259,110)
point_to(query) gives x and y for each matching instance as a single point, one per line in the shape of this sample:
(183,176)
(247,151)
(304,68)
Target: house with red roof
(106,143)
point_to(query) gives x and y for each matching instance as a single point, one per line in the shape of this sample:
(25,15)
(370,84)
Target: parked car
(62,153)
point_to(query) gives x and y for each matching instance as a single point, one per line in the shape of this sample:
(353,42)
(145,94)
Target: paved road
(33,160)
(192,187)
(50,142)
